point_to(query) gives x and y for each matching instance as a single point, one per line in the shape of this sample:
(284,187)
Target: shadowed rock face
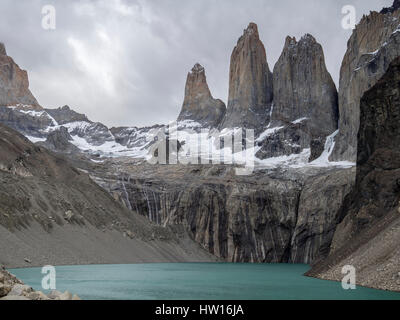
(250,83)
(199,105)
(303,88)
(369,235)
(14,84)
(373,45)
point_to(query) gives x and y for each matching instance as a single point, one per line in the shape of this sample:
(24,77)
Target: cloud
(125,62)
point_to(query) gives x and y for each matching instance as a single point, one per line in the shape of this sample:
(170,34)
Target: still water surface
(196,281)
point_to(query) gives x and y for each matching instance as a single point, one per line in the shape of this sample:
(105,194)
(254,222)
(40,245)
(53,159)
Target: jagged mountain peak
(395,6)
(198,68)
(252,29)
(306,39)
(3,49)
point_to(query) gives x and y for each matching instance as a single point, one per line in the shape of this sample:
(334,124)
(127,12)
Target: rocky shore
(11,288)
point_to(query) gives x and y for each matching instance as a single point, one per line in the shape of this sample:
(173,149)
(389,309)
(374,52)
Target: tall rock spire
(250,83)
(303,87)
(199,105)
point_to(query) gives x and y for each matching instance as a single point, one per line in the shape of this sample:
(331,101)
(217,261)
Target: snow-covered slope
(194,143)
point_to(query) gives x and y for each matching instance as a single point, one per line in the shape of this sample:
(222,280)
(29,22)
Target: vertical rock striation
(373,45)
(199,105)
(250,83)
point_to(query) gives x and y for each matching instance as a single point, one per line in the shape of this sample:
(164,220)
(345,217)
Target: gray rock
(54,294)
(4,289)
(20,290)
(65,296)
(65,114)
(303,88)
(60,140)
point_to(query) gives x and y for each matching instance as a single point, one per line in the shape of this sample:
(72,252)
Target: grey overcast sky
(125,62)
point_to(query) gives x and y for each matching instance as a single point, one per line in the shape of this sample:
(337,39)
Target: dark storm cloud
(125,62)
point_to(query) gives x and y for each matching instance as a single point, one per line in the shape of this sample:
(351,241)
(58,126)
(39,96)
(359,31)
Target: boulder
(20,290)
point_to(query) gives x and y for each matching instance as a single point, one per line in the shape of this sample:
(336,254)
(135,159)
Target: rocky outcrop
(14,84)
(65,115)
(373,45)
(303,87)
(369,235)
(393,8)
(27,120)
(250,83)
(199,105)
(12,288)
(3,51)
(60,140)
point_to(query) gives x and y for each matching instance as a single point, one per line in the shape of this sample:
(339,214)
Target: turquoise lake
(197,281)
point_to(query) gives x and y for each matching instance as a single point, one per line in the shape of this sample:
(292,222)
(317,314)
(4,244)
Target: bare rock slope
(49,208)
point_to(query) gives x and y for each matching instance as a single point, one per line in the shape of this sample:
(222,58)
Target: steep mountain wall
(374,44)
(14,84)
(369,235)
(265,217)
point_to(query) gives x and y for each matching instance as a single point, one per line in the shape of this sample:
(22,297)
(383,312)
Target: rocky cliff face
(199,105)
(265,217)
(250,83)
(303,88)
(14,84)
(304,110)
(369,235)
(373,45)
